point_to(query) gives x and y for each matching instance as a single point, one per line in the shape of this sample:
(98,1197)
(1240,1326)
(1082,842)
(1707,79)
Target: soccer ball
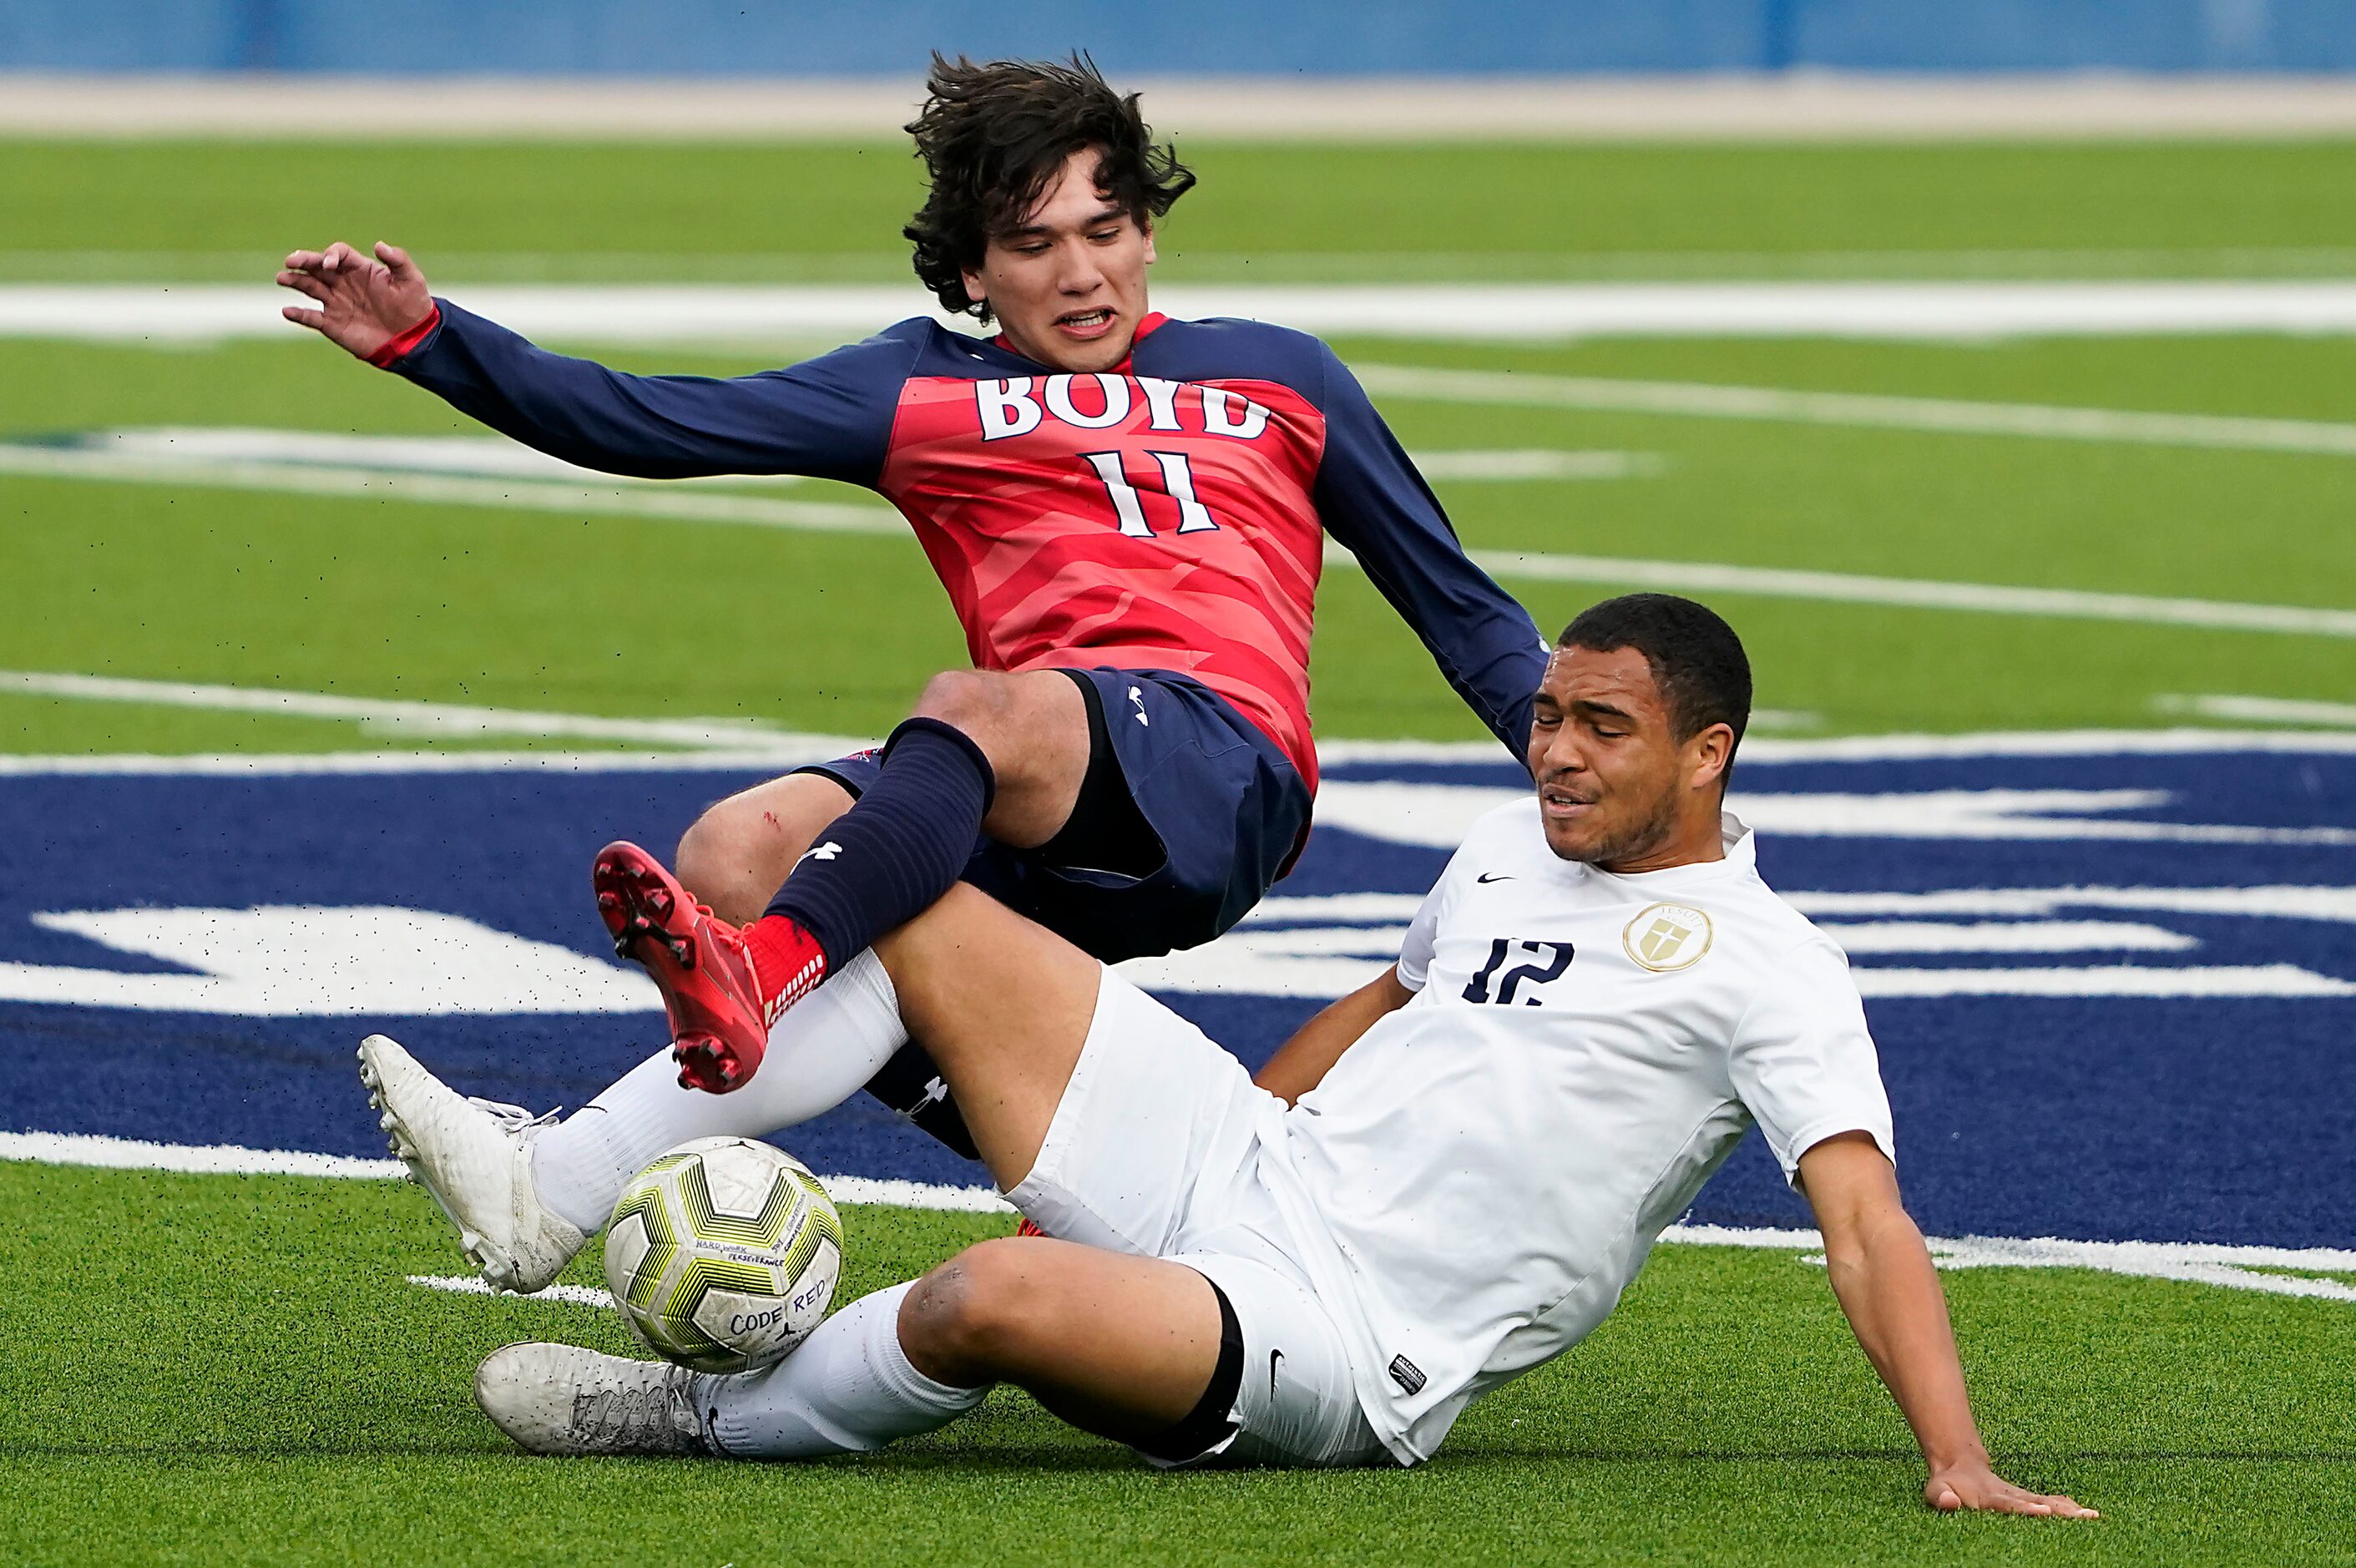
(722,1254)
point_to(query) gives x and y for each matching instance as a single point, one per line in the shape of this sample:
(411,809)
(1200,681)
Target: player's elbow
(1874,1237)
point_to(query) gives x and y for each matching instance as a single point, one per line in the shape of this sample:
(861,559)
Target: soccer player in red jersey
(1129,514)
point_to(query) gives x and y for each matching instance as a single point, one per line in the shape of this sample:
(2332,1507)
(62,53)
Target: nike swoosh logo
(1273,1358)
(1492,876)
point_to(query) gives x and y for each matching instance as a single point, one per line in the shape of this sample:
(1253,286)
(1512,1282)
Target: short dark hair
(993,136)
(1695,658)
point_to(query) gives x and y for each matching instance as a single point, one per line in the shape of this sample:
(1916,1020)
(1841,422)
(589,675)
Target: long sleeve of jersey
(1170,513)
(1377,507)
(826,418)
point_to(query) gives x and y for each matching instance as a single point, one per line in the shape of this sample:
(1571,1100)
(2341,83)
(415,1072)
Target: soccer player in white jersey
(1443,1180)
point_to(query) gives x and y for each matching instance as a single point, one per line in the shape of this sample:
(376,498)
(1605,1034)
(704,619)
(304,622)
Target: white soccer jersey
(1480,1177)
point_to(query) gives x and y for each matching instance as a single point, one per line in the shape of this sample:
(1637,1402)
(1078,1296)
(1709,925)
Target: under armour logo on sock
(823,852)
(1137,695)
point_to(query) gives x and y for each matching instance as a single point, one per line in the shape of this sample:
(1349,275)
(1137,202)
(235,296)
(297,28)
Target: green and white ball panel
(723,1253)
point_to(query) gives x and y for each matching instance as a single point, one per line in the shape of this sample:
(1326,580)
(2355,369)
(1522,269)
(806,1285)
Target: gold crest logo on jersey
(1667,937)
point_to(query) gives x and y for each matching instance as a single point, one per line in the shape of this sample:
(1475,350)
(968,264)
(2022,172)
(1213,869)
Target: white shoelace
(655,1416)
(514,1117)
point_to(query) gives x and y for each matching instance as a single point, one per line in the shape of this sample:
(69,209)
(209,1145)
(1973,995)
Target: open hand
(1979,1487)
(366,303)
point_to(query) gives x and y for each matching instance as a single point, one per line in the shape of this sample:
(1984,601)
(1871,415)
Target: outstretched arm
(1881,1273)
(828,418)
(1377,507)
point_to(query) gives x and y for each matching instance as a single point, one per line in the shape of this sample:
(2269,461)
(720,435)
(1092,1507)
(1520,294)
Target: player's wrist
(402,344)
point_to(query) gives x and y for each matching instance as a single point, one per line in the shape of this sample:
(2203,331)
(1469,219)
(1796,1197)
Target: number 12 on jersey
(1129,507)
(1512,980)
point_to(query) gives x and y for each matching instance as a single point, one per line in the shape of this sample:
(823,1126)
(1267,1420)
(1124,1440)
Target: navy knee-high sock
(886,860)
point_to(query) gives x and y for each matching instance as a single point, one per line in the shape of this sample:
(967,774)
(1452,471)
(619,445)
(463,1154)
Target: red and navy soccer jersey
(1169,514)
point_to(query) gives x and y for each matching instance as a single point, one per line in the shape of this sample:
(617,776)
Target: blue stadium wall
(1286,37)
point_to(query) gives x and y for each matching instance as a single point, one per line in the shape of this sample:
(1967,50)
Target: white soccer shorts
(1154,1150)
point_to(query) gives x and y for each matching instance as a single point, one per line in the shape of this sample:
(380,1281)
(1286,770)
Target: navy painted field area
(2114,993)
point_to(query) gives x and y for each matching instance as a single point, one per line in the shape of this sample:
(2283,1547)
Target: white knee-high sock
(821,1050)
(848,1388)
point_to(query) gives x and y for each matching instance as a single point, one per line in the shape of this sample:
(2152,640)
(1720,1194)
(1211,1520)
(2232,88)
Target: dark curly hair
(993,136)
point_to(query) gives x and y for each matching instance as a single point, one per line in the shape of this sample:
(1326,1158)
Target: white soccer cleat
(475,1157)
(561,1399)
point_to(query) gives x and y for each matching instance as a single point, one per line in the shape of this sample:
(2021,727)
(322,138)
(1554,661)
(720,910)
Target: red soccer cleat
(719,1019)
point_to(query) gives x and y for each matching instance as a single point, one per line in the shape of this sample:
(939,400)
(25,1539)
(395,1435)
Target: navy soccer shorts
(1187,815)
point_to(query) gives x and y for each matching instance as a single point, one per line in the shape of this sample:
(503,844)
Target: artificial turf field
(252,1378)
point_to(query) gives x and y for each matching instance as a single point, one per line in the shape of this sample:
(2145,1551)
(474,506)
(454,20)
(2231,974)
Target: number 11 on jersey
(1128,506)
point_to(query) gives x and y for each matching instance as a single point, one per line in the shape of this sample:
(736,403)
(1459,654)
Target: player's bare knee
(1033,728)
(972,701)
(708,849)
(970,1320)
(720,861)
(737,854)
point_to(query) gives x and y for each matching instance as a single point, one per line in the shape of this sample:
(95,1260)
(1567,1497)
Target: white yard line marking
(1767,750)
(1521,313)
(2003,936)
(748,314)
(1859,409)
(446,720)
(492,473)
(2107,980)
(483,457)
(1762,581)
(216,1159)
(1438,816)
(157,452)
(473,1285)
(704,506)
(1321,908)
(440,720)
(915,1195)
(2193,1261)
(2278,902)
(314,962)
(333,764)
(2232,1266)
(2044,743)
(1999,814)
(611,498)
(1704,106)
(2245,262)
(330,765)
(2260,710)
(794,749)
(229,1159)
